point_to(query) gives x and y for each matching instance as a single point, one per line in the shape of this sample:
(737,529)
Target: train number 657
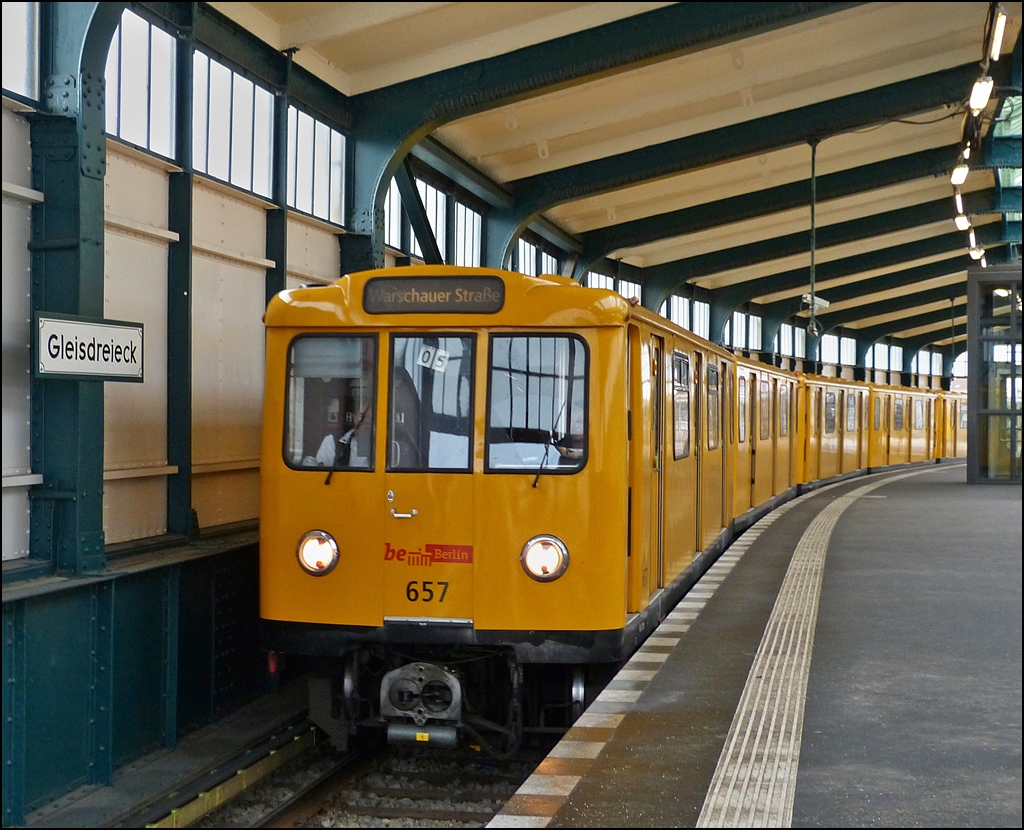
(424,591)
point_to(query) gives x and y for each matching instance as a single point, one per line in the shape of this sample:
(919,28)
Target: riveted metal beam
(417,215)
(929,318)
(925,164)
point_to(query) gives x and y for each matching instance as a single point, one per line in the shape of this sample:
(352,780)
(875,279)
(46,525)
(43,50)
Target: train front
(443,499)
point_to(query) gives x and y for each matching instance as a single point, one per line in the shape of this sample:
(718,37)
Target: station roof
(671,143)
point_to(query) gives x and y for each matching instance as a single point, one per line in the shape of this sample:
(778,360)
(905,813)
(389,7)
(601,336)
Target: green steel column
(68,166)
(277,219)
(180,516)
(101,685)
(15,687)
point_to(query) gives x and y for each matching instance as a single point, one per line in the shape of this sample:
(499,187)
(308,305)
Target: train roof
(433,295)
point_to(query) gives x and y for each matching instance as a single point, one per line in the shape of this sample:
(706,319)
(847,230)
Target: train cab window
(765,406)
(430,409)
(329,419)
(537,418)
(919,414)
(851,411)
(742,396)
(897,414)
(714,416)
(681,405)
(830,413)
(784,410)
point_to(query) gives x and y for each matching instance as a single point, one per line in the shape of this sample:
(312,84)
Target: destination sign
(73,347)
(434,295)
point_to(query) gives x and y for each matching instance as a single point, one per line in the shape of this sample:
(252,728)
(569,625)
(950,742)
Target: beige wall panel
(134,508)
(17,155)
(16,519)
(227,360)
(236,223)
(134,189)
(221,498)
(313,252)
(17,372)
(135,414)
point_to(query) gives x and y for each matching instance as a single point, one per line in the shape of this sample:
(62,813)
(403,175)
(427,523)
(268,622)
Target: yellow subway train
(480,491)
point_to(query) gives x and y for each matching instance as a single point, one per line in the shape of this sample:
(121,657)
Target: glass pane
(897,414)
(218,135)
(21,48)
(830,413)
(321,170)
(713,408)
(681,404)
(242,109)
(262,142)
(851,412)
(337,212)
(765,408)
(200,109)
(430,418)
(161,96)
(304,164)
(742,403)
(999,447)
(134,79)
(537,418)
(331,392)
(784,410)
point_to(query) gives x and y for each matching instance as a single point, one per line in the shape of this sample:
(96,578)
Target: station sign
(86,349)
(434,295)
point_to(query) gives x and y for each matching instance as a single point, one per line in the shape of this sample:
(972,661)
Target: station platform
(852,660)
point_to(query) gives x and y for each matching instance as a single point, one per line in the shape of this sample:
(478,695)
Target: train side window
(713,408)
(430,410)
(329,419)
(681,405)
(536,400)
(784,410)
(878,414)
(919,414)
(963,415)
(742,403)
(830,413)
(851,411)
(897,414)
(765,407)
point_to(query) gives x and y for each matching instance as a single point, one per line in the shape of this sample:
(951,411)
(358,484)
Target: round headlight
(318,552)
(545,558)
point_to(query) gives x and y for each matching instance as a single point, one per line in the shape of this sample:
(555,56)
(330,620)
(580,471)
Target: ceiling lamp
(980,93)
(998,27)
(976,252)
(962,222)
(958,199)
(959,174)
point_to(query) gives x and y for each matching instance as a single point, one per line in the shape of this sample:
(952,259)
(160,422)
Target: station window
(329,420)
(232,126)
(527,263)
(701,319)
(714,408)
(548,263)
(765,406)
(847,351)
(742,404)
(596,280)
(630,290)
(140,84)
(468,235)
(537,418)
(430,403)
(754,333)
(679,311)
(393,217)
(681,405)
(21,49)
(316,167)
(799,343)
(435,203)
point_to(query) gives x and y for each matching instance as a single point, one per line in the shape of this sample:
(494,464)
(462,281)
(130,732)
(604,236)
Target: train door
(680,475)
(658,452)
(714,467)
(642,475)
(428,546)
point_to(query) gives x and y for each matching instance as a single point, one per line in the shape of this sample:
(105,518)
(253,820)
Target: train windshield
(430,415)
(329,412)
(536,421)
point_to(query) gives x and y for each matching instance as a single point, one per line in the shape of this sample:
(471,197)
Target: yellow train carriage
(950,427)
(836,442)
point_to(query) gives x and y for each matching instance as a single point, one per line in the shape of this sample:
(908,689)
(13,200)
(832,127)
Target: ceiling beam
(835,319)
(927,163)
(839,233)
(750,138)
